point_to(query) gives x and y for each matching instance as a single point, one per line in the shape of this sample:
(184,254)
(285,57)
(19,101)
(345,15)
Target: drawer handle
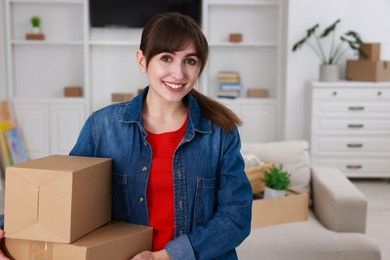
(354,167)
(355,125)
(355,145)
(356,108)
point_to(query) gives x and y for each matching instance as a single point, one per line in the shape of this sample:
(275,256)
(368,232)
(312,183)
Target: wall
(302,66)
(2,53)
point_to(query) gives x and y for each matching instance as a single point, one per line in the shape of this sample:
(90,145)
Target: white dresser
(350,127)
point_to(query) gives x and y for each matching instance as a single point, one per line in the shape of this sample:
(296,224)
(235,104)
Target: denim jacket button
(141,199)
(144,169)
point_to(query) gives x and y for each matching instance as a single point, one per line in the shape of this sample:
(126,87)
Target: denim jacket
(212,196)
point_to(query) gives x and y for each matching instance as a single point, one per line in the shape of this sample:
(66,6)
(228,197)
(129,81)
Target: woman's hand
(147,255)
(2,256)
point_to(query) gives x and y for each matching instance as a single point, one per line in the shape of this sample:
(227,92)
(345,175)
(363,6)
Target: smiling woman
(176,156)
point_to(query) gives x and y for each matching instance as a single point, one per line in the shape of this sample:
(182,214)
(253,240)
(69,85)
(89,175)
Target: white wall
(370,19)
(2,53)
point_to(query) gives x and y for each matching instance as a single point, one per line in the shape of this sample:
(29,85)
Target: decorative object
(36,26)
(276,182)
(121,97)
(235,37)
(72,91)
(372,51)
(335,52)
(365,70)
(257,93)
(329,72)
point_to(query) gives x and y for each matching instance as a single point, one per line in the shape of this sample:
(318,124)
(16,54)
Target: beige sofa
(336,226)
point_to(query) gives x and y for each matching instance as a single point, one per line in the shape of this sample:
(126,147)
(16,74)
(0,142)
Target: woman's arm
(230,224)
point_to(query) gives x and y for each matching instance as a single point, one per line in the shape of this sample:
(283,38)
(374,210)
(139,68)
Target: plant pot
(36,30)
(329,72)
(273,194)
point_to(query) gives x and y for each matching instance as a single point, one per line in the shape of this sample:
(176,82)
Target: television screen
(135,13)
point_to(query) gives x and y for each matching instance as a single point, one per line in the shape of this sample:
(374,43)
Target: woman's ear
(141,61)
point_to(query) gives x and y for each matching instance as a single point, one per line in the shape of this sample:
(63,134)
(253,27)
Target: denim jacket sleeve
(85,145)
(231,222)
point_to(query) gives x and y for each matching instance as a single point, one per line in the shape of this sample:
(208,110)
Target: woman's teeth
(175,86)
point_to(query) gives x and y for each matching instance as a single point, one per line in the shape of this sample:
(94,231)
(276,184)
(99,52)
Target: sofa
(336,224)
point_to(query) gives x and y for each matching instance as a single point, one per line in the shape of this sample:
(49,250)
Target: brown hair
(169,32)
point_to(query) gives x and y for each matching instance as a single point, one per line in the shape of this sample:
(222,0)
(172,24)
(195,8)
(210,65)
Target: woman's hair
(170,32)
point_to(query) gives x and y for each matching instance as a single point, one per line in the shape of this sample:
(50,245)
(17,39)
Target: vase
(329,72)
(36,30)
(273,194)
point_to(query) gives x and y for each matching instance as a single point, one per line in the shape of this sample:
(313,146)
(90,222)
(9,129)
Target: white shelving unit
(256,59)
(102,61)
(38,71)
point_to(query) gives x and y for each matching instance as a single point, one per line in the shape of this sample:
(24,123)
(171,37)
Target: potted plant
(329,60)
(36,24)
(276,182)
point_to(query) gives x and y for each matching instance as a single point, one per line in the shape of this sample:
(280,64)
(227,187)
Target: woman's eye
(166,58)
(190,61)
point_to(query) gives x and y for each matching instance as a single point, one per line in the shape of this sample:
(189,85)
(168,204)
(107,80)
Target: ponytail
(220,115)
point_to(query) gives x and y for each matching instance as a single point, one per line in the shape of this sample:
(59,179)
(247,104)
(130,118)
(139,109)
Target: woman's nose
(178,71)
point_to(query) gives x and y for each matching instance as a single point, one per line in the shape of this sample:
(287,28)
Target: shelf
(243,44)
(114,43)
(242,3)
(47,43)
(247,100)
(50,100)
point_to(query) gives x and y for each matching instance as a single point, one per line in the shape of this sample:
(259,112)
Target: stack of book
(229,84)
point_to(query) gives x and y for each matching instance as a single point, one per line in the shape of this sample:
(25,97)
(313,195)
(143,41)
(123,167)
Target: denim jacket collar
(132,113)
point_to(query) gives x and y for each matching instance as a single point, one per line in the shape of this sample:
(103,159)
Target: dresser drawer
(356,167)
(350,126)
(352,93)
(348,108)
(350,145)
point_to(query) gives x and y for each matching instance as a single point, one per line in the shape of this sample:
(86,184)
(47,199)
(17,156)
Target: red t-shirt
(159,192)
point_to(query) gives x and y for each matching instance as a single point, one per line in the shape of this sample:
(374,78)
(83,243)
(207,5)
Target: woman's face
(171,75)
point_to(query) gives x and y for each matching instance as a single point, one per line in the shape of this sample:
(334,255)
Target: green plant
(277,179)
(335,52)
(35,21)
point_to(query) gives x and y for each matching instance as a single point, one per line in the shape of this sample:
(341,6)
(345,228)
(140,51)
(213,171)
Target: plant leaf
(299,44)
(329,29)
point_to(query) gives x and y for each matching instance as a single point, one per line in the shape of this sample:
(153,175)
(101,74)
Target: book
(4,111)
(5,155)
(16,146)
(228,94)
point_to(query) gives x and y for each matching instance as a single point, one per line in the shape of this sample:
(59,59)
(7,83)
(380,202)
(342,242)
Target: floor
(378,217)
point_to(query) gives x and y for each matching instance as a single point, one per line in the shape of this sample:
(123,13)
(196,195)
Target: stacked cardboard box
(59,199)
(369,68)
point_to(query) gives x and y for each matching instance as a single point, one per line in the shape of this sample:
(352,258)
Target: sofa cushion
(293,155)
(306,240)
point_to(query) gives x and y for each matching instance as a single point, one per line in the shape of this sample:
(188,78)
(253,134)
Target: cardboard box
(235,37)
(372,50)
(255,174)
(257,92)
(364,70)
(117,240)
(121,97)
(292,208)
(57,198)
(35,36)
(73,91)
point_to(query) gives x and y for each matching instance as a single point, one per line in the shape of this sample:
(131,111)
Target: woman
(176,153)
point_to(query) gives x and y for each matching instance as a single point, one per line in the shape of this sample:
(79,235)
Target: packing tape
(40,250)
